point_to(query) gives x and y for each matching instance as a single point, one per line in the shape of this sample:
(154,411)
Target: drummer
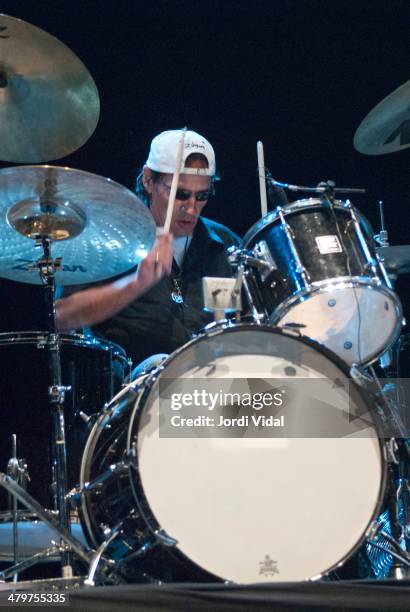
(157,308)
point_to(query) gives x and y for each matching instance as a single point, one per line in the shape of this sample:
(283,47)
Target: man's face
(193,190)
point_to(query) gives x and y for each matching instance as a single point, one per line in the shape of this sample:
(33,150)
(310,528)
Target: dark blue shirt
(155,323)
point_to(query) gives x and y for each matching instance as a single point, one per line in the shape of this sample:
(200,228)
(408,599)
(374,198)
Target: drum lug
(384,272)
(114,470)
(132,457)
(291,241)
(392,451)
(371,263)
(57,393)
(261,252)
(360,376)
(85,417)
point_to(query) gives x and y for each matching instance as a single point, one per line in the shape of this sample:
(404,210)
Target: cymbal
(396,258)
(386,128)
(98,227)
(49,104)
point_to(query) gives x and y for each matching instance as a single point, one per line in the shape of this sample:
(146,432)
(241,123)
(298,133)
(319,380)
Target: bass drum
(240,509)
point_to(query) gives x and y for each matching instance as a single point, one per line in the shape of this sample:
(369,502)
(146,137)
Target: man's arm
(97,304)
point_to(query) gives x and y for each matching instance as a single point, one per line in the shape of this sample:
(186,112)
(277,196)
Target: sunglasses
(184,195)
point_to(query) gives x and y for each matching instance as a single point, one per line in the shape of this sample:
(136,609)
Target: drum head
(354,319)
(259,509)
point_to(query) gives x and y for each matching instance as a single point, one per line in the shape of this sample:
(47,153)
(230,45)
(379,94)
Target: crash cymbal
(386,128)
(49,104)
(98,227)
(396,258)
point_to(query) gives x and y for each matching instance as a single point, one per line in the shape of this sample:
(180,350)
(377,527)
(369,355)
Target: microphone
(276,194)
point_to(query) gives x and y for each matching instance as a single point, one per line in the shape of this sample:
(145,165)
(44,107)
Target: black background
(298,74)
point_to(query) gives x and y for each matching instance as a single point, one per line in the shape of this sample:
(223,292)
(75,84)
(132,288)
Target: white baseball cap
(164,151)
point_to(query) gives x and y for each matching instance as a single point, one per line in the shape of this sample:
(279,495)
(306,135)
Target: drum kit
(88,482)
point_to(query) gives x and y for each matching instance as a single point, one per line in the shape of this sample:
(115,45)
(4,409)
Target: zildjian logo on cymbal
(26,266)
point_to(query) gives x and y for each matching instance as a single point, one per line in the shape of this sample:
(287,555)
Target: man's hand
(156,264)
(97,304)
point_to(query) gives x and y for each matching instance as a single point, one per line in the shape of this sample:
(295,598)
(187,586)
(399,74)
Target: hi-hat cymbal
(386,128)
(396,258)
(49,104)
(98,227)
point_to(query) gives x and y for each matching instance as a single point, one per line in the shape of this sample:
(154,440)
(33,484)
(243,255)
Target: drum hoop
(103,419)
(294,207)
(39,338)
(339,283)
(88,451)
(137,411)
(150,520)
(228,326)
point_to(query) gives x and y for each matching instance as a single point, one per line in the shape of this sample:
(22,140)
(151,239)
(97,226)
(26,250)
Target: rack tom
(323,277)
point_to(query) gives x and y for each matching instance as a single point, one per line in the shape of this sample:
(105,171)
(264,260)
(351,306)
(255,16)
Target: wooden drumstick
(174,184)
(262,180)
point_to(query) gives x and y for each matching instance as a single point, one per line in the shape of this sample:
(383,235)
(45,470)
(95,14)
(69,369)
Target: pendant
(177,298)
(176,294)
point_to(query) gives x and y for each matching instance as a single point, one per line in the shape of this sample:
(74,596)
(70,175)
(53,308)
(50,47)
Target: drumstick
(175,179)
(262,181)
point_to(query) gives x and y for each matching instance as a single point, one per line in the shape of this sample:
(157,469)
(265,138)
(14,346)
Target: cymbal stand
(56,393)
(382,237)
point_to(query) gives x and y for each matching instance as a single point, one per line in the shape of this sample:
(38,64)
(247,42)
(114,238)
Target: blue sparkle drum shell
(323,281)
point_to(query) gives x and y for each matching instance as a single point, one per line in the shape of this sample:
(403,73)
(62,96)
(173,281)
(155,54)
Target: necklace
(176,293)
